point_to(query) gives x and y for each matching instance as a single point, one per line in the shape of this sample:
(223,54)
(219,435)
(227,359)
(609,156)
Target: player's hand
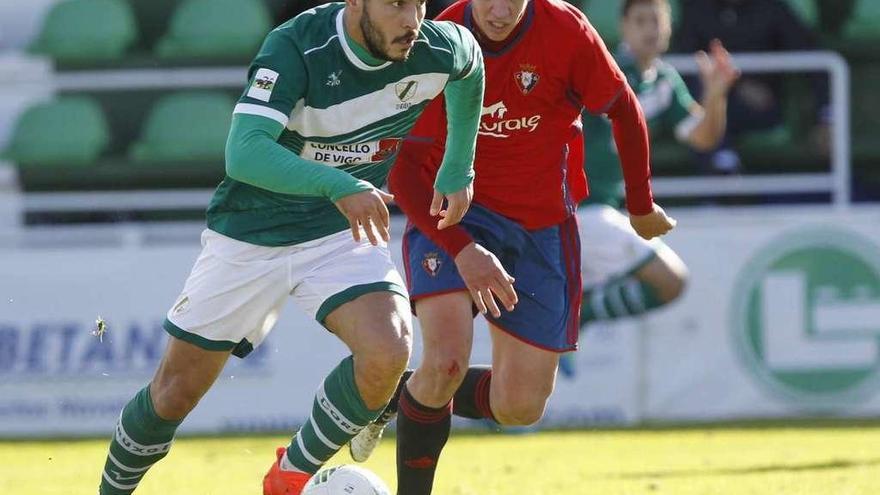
(653,224)
(368,210)
(457,205)
(717,71)
(486,279)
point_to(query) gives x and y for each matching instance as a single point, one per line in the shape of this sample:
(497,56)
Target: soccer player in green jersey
(331,94)
(625,275)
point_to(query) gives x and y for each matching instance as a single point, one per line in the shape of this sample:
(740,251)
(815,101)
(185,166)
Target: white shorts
(609,245)
(236,290)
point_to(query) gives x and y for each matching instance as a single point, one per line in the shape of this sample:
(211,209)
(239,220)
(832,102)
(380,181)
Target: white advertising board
(781,319)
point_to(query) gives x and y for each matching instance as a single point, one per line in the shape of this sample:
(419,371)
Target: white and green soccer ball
(346,480)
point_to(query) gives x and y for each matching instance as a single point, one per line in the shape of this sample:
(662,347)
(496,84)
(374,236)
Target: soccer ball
(346,480)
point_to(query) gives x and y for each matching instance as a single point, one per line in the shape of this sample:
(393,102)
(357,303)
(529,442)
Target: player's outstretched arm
(464,103)
(631,138)
(253,156)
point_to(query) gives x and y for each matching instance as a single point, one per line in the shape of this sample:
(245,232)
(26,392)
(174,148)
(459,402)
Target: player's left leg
(376,328)
(522,379)
(354,290)
(527,342)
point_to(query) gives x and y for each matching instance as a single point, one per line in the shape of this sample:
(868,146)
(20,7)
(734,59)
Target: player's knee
(174,400)
(387,359)
(522,406)
(443,374)
(675,285)
(521,413)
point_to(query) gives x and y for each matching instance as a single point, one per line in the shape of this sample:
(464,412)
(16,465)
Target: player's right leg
(424,408)
(228,304)
(445,313)
(147,424)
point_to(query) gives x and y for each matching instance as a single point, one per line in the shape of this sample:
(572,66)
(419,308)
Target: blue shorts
(545,264)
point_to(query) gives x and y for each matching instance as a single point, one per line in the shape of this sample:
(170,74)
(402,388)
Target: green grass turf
(712,461)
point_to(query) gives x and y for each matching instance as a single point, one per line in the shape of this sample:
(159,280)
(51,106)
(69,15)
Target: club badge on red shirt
(526,78)
(432,263)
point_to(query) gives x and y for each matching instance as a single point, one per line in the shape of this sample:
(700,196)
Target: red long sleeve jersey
(529,158)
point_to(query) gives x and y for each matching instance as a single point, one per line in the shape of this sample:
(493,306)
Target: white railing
(836,181)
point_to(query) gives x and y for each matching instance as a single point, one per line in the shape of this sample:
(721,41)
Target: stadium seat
(230,29)
(86,30)
(605,17)
(67,131)
(864,24)
(185,127)
(807,10)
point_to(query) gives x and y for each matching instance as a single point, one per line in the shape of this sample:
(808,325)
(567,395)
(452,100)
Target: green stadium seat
(185,127)
(864,24)
(86,30)
(69,131)
(807,10)
(604,15)
(229,29)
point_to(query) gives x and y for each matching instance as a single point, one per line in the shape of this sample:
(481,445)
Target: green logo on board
(806,318)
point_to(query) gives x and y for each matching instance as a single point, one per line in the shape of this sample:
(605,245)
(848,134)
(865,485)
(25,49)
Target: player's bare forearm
(713,124)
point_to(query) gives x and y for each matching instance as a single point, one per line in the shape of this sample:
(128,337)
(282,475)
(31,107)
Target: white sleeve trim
(251,109)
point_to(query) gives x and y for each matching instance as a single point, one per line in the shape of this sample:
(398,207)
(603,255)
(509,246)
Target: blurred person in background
(756,100)
(624,274)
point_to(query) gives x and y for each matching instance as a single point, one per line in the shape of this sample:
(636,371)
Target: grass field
(714,461)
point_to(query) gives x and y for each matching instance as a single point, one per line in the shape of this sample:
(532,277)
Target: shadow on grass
(770,468)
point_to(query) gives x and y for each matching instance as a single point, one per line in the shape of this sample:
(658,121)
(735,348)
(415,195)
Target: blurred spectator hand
(717,72)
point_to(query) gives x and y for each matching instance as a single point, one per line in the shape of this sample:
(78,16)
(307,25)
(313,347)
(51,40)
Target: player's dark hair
(628,4)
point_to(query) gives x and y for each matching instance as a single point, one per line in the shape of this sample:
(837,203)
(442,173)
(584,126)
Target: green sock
(338,414)
(618,298)
(142,439)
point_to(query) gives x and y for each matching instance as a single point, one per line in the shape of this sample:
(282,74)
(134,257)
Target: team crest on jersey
(405,90)
(526,78)
(432,263)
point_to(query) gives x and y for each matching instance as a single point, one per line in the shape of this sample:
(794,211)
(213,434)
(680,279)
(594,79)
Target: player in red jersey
(519,242)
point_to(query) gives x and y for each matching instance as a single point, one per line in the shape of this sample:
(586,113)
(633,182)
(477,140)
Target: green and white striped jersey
(338,111)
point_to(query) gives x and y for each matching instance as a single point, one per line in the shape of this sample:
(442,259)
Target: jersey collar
(350,53)
(526,24)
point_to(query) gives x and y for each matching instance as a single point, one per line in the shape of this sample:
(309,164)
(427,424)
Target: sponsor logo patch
(493,123)
(351,154)
(263,85)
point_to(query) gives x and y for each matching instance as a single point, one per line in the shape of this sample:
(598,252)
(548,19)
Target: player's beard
(376,41)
